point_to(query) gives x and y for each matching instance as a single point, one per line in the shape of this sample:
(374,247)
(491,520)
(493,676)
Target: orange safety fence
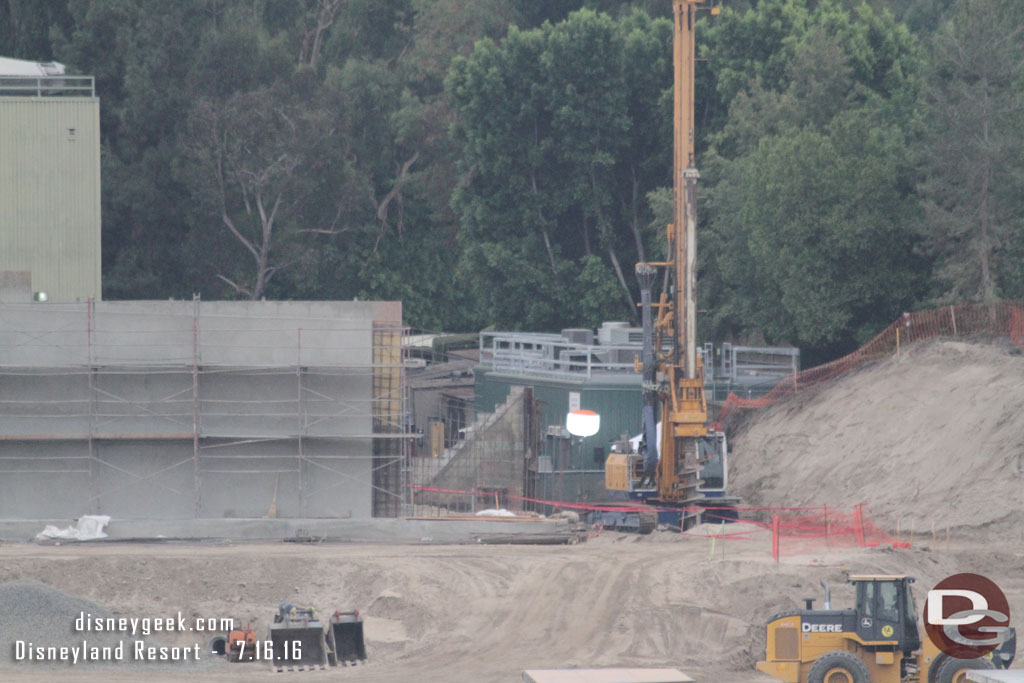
(1001,318)
(802,531)
(828,528)
(791,530)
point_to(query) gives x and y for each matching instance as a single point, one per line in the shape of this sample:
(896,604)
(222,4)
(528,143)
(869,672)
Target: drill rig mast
(683,409)
(669,473)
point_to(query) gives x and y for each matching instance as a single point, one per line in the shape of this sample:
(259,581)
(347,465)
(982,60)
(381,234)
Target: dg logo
(887,631)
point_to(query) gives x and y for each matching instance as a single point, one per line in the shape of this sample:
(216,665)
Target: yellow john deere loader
(876,642)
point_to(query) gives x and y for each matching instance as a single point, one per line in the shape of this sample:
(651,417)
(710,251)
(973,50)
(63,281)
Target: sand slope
(936,436)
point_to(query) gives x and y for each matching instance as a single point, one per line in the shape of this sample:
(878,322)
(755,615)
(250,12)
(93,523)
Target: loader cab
(886,611)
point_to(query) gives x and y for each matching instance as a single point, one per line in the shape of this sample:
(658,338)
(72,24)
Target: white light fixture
(40,296)
(582,423)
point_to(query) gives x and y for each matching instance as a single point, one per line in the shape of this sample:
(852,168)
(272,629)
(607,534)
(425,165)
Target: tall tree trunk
(625,287)
(543,222)
(551,253)
(602,228)
(634,222)
(987,285)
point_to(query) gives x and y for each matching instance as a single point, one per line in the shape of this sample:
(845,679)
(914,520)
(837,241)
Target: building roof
(22,67)
(877,577)
(455,373)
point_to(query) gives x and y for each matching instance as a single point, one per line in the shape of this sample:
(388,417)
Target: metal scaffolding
(175,409)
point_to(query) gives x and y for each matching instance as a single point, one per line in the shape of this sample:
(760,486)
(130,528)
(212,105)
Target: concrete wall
(184,409)
(228,333)
(495,457)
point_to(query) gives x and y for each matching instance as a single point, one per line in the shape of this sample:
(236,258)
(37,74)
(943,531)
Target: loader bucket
(346,637)
(299,644)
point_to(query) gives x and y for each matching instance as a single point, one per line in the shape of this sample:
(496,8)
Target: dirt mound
(933,437)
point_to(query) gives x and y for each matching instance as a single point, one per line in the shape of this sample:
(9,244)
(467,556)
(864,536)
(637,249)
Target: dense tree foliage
(507,162)
(813,220)
(973,181)
(561,142)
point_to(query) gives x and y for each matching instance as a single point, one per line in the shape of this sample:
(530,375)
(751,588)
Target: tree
(811,221)
(974,174)
(559,128)
(816,234)
(258,154)
(784,64)
(26,27)
(140,57)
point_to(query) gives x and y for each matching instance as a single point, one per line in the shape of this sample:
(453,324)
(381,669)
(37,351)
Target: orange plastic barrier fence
(826,528)
(1002,318)
(792,530)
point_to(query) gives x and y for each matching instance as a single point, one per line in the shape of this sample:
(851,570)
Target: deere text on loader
(878,641)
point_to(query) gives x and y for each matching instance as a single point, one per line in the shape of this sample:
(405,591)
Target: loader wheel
(952,670)
(839,667)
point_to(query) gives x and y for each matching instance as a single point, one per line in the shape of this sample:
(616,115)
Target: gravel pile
(39,616)
(33,612)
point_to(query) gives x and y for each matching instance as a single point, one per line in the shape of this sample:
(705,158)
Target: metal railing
(754,363)
(47,86)
(747,370)
(551,355)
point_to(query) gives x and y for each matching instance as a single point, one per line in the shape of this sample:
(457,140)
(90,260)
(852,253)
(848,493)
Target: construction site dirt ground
(479,613)
(929,441)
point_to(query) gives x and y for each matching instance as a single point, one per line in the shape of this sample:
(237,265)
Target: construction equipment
(298,639)
(667,470)
(240,645)
(876,642)
(237,645)
(345,638)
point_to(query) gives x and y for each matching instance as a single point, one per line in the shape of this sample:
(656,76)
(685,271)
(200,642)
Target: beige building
(49,180)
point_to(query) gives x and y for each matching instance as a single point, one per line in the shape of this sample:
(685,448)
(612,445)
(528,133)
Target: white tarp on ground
(87,528)
(495,513)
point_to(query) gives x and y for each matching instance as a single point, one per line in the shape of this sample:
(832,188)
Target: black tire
(951,668)
(835,665)
(933,668)
(1003,655)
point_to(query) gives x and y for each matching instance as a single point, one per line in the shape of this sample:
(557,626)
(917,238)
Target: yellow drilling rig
(671,469)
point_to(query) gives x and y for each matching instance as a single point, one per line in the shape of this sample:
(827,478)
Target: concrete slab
(379,530)
(605,676)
